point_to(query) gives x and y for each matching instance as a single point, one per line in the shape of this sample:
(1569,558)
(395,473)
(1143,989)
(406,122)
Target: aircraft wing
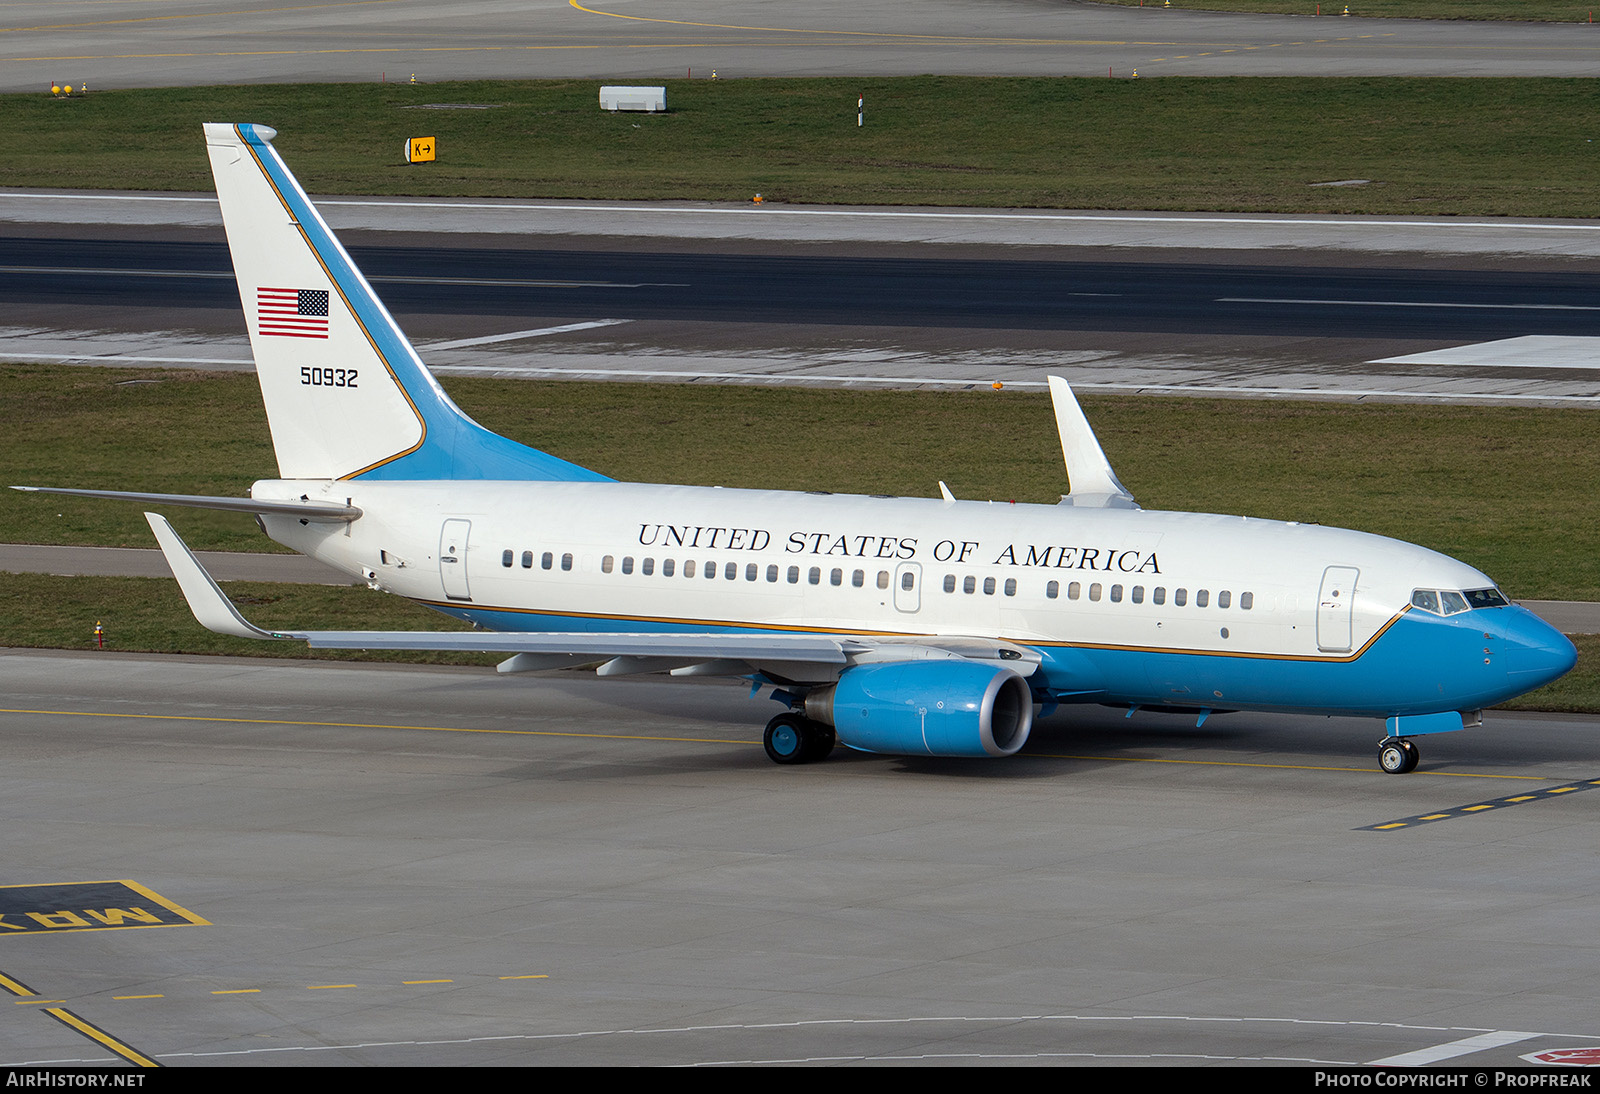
(782,654)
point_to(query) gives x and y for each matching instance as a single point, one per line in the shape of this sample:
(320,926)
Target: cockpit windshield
(1451,601)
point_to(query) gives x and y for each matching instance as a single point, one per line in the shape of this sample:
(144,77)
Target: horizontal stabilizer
(314,511)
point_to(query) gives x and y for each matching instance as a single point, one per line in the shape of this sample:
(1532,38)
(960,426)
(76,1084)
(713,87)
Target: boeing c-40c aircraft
(893,625)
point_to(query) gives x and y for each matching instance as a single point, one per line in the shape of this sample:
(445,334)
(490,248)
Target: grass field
(1504,489)
(1499,488)
(1539,11)
(1467,146)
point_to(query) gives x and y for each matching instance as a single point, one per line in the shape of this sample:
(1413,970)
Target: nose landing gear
(1397,755)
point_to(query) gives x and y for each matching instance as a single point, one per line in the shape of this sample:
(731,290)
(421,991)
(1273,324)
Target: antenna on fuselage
(1090,480)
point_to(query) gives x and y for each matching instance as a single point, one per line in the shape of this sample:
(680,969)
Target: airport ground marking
(55,1009)
(100,1036)
(75,906)
(912,1021)
(718,741)
(1476,808)
(372,725)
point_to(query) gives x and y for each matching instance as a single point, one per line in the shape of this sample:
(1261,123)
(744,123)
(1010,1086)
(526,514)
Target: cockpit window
(1449,602)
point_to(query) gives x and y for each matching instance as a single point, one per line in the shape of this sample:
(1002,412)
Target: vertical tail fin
(346,395)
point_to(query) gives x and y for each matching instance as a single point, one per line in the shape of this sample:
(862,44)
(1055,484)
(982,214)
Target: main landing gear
(792,739)
(1397,755)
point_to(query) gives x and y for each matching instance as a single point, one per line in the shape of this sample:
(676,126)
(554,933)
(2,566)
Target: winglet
(208,602)
(1091,481)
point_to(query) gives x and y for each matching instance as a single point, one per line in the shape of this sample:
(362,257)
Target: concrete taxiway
(423,866)
(169,42)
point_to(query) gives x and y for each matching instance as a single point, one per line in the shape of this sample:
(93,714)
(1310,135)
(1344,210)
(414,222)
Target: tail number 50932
(328,377)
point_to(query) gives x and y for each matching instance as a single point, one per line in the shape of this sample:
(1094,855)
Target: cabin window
(607,563)
(794,575)
(505,557)
(908,580)
(1453,602)
(1247,601)
(667,566)
(1201,597)
(730,572)
(1180,597)
(858,579)
(627,564)
(1094,591)
(1074,590)
(1011,586)
(1486,598)
(1052,589)
(988,586)
(566,561)
(647,567)
(772,573)
(1138,594)
(688,568)
(1116,594)
(1159,595)
(752,571)
(815,576)
(949,583)
(836,577)
(883,579)
(1224,598)
(969,584)
(547,561)
(527,560)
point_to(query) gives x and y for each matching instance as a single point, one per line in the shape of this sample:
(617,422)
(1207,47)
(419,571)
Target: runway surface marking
(519,335)
(1527,351)
(1481,807)
(1422,1057)
(1154,219)
(509,371)
(713,740)
(1408,304)
(88,906)
(1358,394)
(73,1022)
(1359,1028)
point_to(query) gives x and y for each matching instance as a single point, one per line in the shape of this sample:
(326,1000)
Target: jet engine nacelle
(927,708)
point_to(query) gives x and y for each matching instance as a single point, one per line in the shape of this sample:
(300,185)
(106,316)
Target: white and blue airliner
(926,626)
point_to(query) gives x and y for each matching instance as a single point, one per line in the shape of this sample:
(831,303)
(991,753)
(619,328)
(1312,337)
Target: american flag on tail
(292,313)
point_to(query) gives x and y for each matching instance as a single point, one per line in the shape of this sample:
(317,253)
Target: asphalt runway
(382,866)
(178,42)
(1489,312)
(798,289)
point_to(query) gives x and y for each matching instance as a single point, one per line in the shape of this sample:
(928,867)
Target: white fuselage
(625,557)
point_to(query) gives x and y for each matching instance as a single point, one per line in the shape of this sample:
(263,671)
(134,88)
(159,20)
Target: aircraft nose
(1535,653)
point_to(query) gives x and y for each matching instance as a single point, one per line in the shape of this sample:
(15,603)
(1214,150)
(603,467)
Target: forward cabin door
(1336,609)
(453,559)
